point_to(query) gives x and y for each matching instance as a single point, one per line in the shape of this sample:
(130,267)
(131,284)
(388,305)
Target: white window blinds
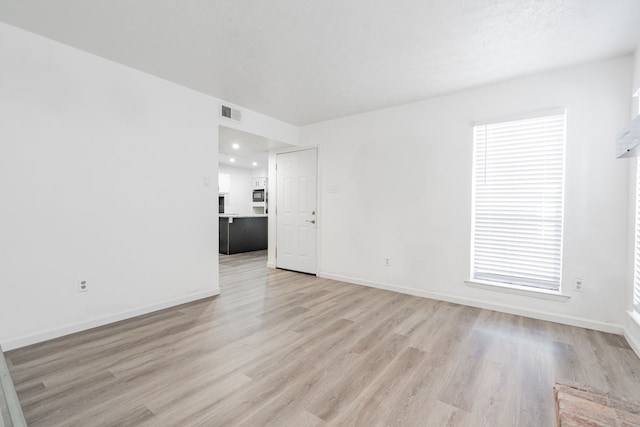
(518,201)
(636,264)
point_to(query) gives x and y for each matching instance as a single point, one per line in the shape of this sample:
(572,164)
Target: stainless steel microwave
(258,195)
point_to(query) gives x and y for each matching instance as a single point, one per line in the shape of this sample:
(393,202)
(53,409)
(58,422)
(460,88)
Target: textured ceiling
(304,61)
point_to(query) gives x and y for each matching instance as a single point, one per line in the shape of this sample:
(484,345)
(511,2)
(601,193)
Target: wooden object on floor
(278,348)
(10,410)
(582,406)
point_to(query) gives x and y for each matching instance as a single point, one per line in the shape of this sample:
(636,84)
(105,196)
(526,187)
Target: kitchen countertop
(243,216)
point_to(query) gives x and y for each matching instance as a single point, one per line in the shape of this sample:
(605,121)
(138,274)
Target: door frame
(273,209)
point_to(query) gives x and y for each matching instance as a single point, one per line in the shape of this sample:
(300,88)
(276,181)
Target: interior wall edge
(12,344)
(503,308)
(632,332)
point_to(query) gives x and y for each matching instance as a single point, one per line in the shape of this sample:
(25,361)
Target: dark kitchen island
(242,233)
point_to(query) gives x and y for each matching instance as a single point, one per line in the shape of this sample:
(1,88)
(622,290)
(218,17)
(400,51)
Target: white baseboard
(101,321)
(271,265)
(503,308)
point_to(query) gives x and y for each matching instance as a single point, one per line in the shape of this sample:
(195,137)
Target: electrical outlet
(578,285)
(387,262)
(83,286)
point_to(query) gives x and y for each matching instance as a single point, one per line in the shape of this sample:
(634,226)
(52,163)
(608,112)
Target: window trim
(527,291)
(523,116)
(635,289)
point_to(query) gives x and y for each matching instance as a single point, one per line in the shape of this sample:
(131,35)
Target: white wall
(404,175)
(262,125)
(102,177)
(636,74)
(259,173)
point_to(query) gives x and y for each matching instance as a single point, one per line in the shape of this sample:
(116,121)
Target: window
(518,182)
(636,274)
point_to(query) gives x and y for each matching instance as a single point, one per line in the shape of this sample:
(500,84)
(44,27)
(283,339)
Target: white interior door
(296,216)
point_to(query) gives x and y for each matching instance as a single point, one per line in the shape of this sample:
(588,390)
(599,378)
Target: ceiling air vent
(230,113)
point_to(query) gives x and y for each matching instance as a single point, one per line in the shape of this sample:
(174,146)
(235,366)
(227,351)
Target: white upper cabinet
(259,183)
(224,183)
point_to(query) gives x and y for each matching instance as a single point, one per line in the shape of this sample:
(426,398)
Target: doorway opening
(246,181)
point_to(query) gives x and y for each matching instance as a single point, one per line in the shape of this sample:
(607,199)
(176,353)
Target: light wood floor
(286,349)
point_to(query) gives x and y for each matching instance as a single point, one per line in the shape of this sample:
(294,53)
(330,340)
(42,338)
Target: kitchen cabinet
(224,183)
(258,183)
(242,233)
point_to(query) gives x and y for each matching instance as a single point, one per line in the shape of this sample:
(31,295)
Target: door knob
(312,221)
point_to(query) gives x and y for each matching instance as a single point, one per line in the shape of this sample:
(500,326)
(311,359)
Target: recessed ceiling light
(232,160)
(255,163)
(235,146)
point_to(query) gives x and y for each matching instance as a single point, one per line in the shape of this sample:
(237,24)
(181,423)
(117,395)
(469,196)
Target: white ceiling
(251,148)
(309,61)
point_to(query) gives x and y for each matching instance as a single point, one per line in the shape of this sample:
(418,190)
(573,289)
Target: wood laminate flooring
(280,348)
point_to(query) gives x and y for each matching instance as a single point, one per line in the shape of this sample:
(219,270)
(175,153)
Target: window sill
(519,290)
